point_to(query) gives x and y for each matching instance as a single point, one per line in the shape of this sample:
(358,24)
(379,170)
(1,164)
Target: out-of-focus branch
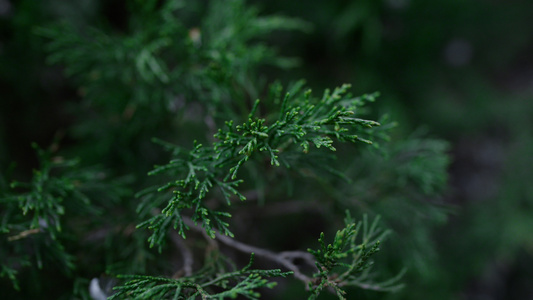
(285,259)
(186,254)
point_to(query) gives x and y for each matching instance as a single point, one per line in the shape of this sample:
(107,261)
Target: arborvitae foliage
(186,75)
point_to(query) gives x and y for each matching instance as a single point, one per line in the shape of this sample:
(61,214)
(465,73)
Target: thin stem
(283,258)
(186,254)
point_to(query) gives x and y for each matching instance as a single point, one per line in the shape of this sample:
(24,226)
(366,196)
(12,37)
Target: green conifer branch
(142,81)
(35,214)
(204,285)
(303,121)
(346,262)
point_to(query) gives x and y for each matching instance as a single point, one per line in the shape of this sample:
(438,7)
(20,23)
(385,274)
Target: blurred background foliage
(461,71)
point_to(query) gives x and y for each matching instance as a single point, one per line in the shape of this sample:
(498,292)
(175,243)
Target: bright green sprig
(346,262)
(197,179)
(299,123)
(244,282)
(302,121)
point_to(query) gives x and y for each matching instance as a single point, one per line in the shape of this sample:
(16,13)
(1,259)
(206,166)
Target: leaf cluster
(203,285)
(302,121)
(179,60)
(35,226)
(165,54)
(347,262)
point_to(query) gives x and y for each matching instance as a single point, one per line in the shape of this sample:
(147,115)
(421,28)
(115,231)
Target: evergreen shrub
(186,171)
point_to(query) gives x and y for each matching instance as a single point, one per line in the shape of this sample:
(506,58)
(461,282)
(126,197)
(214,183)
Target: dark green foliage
(166,62)
(187,75)
(38,217)
(302,121)
(242,282)
(347,262)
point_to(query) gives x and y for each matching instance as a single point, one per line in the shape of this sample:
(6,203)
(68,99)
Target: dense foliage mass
(177,154)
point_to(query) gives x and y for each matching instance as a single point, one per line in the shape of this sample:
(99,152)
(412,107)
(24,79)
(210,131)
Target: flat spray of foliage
(185,73)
